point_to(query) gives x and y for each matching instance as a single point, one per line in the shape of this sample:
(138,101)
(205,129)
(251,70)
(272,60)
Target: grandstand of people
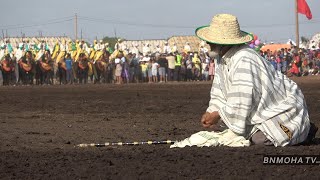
(179,41)
(50,40)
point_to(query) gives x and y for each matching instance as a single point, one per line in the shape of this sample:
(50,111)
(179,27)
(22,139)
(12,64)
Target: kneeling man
(248,96)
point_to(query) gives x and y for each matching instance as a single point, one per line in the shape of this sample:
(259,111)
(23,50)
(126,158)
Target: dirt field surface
(40,127)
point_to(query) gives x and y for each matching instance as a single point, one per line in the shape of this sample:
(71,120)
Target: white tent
(314,42)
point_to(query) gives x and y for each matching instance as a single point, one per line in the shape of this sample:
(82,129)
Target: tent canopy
(275,47)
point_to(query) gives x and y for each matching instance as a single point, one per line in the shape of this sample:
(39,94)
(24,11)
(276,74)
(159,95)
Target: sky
(270,20)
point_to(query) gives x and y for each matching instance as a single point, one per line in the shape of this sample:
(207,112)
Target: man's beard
(215,52)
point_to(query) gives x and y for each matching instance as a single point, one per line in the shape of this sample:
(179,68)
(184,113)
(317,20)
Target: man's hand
(210,119)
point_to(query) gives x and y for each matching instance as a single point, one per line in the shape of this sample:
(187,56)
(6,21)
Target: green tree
(111,40)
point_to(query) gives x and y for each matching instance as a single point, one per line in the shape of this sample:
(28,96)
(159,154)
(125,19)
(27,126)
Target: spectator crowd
(67,62)
(291,62)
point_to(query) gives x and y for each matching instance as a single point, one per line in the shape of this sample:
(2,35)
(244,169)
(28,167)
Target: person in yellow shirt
(196,68)
(195,59)
(143,66)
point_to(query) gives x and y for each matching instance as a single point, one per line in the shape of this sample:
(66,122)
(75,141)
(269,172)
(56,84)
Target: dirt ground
(40,127)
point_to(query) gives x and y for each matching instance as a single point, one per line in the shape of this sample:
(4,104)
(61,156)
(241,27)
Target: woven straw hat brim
(205,34)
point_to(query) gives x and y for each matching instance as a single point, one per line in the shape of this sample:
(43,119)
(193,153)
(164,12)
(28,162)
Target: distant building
(178,41)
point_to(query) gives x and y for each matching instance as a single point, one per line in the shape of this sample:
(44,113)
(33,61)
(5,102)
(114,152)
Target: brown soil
(40,127)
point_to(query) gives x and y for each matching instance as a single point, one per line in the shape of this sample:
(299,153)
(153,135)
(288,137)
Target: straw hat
(224,29)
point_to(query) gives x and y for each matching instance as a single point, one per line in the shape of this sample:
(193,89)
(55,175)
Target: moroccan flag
(303,8)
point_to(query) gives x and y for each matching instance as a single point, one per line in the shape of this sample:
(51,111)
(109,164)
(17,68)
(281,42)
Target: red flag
(303,8)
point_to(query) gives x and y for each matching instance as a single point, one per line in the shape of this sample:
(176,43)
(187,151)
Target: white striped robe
(250,95)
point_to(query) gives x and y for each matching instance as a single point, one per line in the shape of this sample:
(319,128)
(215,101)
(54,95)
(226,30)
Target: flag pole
(297,24)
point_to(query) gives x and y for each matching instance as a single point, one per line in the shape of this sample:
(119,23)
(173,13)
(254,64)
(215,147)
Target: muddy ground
(40,127)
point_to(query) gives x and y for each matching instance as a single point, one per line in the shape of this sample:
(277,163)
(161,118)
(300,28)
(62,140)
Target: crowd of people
(160,68)
(68,62)
(294,63)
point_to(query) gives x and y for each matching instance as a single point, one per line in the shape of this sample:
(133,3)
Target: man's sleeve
(217,98)
(240,96)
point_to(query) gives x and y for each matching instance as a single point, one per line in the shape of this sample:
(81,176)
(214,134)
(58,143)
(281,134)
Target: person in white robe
(98,46)
(63,46)
(146,49)
(202,48)
(84,46)
(248,96)
(19,52)
(134,49)
(158,49)
(102,45)
(120,45)
(28,45)
(2,51)
(174,48)
(166,48)
(187,48)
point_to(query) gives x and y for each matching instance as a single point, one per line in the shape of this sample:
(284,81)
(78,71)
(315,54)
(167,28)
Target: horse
(100,68)
(62,72)
(59,66)
(43,72)
(75,65)
(27,69)
(83,68)
(44,68)
(8,71)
